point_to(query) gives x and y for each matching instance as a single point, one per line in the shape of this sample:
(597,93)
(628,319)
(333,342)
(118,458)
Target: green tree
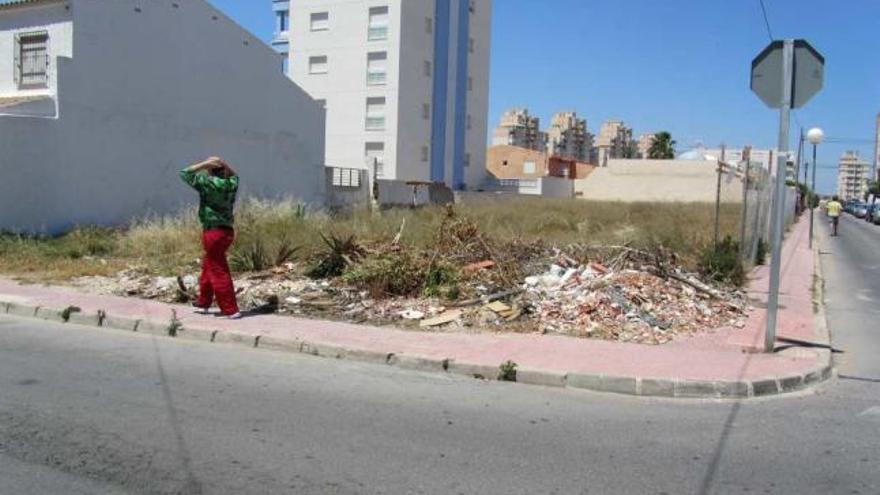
(662,147)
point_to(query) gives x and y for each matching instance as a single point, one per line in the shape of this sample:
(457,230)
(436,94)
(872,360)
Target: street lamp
(815,136)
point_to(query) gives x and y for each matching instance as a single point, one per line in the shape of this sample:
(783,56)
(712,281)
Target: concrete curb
(626,385)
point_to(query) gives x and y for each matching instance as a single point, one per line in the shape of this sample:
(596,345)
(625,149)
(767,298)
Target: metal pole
(745,213)
(813,191)
(718,202)
(778,212)
(797,174)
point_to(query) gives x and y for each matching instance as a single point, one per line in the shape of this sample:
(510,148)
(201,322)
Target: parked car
(860,210)
(873,212)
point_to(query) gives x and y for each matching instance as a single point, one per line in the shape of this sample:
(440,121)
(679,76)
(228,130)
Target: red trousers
(216,281)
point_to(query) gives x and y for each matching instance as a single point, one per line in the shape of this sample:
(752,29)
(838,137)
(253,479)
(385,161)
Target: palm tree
(662,147)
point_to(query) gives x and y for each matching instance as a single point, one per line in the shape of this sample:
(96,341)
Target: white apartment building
(568,137)
(518,128)
(852,177)
(876,150)
(405,84)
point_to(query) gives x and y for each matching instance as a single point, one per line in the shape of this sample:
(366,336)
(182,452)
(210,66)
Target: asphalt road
(851,266)
(94,411)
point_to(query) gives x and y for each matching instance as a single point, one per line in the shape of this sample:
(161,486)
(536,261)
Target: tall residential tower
(852,177)
(405,83)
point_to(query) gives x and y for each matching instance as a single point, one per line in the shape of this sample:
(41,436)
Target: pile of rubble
(631,299)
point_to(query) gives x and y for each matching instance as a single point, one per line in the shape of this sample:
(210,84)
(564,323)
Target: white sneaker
(236,316)
(202,311)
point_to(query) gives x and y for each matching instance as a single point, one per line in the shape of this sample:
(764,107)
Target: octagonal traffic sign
(807,78)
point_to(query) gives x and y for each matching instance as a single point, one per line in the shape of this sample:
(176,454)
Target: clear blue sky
(681,66)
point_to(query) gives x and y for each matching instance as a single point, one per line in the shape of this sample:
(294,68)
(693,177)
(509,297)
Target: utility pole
(718,194)
(800,154)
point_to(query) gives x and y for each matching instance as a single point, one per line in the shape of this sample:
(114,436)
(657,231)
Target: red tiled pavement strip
(715,356)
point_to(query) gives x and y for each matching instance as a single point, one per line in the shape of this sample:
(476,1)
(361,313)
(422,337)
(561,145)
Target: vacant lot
(268,234)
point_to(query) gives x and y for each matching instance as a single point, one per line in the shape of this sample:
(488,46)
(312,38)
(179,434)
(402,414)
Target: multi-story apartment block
(644,145)
(568,137)
(405,84)
(518,128)
(852,176)
(281,38)
(876,151)
(614,141)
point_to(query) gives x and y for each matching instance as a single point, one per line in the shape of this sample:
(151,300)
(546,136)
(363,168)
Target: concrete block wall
(150,88)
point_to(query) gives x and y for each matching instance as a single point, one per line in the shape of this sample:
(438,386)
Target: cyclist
(833,208)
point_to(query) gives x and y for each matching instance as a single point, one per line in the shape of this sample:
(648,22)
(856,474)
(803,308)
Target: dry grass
(170,245)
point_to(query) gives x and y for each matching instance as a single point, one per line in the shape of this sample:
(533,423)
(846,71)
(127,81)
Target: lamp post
(815,135)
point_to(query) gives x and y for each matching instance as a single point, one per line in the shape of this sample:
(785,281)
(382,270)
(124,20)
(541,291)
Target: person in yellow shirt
(833,208)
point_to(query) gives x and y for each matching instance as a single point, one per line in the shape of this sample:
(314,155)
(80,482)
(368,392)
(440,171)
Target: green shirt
(216,197)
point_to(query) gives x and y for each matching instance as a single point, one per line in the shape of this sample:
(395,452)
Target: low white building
(102,102)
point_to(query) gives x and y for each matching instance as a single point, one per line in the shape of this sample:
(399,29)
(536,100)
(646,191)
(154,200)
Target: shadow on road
(193,485)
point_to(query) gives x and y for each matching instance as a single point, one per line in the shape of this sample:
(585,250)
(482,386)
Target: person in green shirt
(217,185)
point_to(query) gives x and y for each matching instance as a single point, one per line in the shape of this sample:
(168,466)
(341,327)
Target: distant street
(851,263)
(103,412)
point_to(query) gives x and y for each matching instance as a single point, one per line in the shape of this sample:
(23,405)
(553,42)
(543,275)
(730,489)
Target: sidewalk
(720,363)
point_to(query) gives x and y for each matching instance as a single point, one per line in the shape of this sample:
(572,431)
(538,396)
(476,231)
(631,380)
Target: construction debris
(467,282)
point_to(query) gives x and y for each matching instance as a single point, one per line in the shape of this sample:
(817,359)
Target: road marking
(871,411)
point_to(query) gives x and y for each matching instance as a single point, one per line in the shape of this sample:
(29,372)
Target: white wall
(55,19)
(658,180)
(145,94)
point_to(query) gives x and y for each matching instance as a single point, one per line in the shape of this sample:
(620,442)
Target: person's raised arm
(190,174)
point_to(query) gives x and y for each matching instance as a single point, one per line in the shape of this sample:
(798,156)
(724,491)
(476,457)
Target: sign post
(785,75)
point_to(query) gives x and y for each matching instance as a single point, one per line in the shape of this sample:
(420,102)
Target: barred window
(346,177)
(32,60)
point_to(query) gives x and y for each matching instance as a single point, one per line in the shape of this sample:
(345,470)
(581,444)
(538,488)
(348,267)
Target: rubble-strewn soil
(631,302)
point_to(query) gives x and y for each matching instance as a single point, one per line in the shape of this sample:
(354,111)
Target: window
(529,167)
(426,111)
(471,45)
(427,68)
(424,153)
(346,177)
(429,25)
(378,25)
(318,64)
(472,6)
(470,83)
(467,159)
(468,121)
(319,21)
(375,157)
(375,114)
(376,68)
(283,21)
(32,60)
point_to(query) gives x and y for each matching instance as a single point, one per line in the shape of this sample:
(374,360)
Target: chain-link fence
(755,185)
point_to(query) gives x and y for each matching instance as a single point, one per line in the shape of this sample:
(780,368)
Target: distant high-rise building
(518,128)
(876,150)
(852,176)
(615,140)
(568,137)
(405,84)
(644,145)
(281,39)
